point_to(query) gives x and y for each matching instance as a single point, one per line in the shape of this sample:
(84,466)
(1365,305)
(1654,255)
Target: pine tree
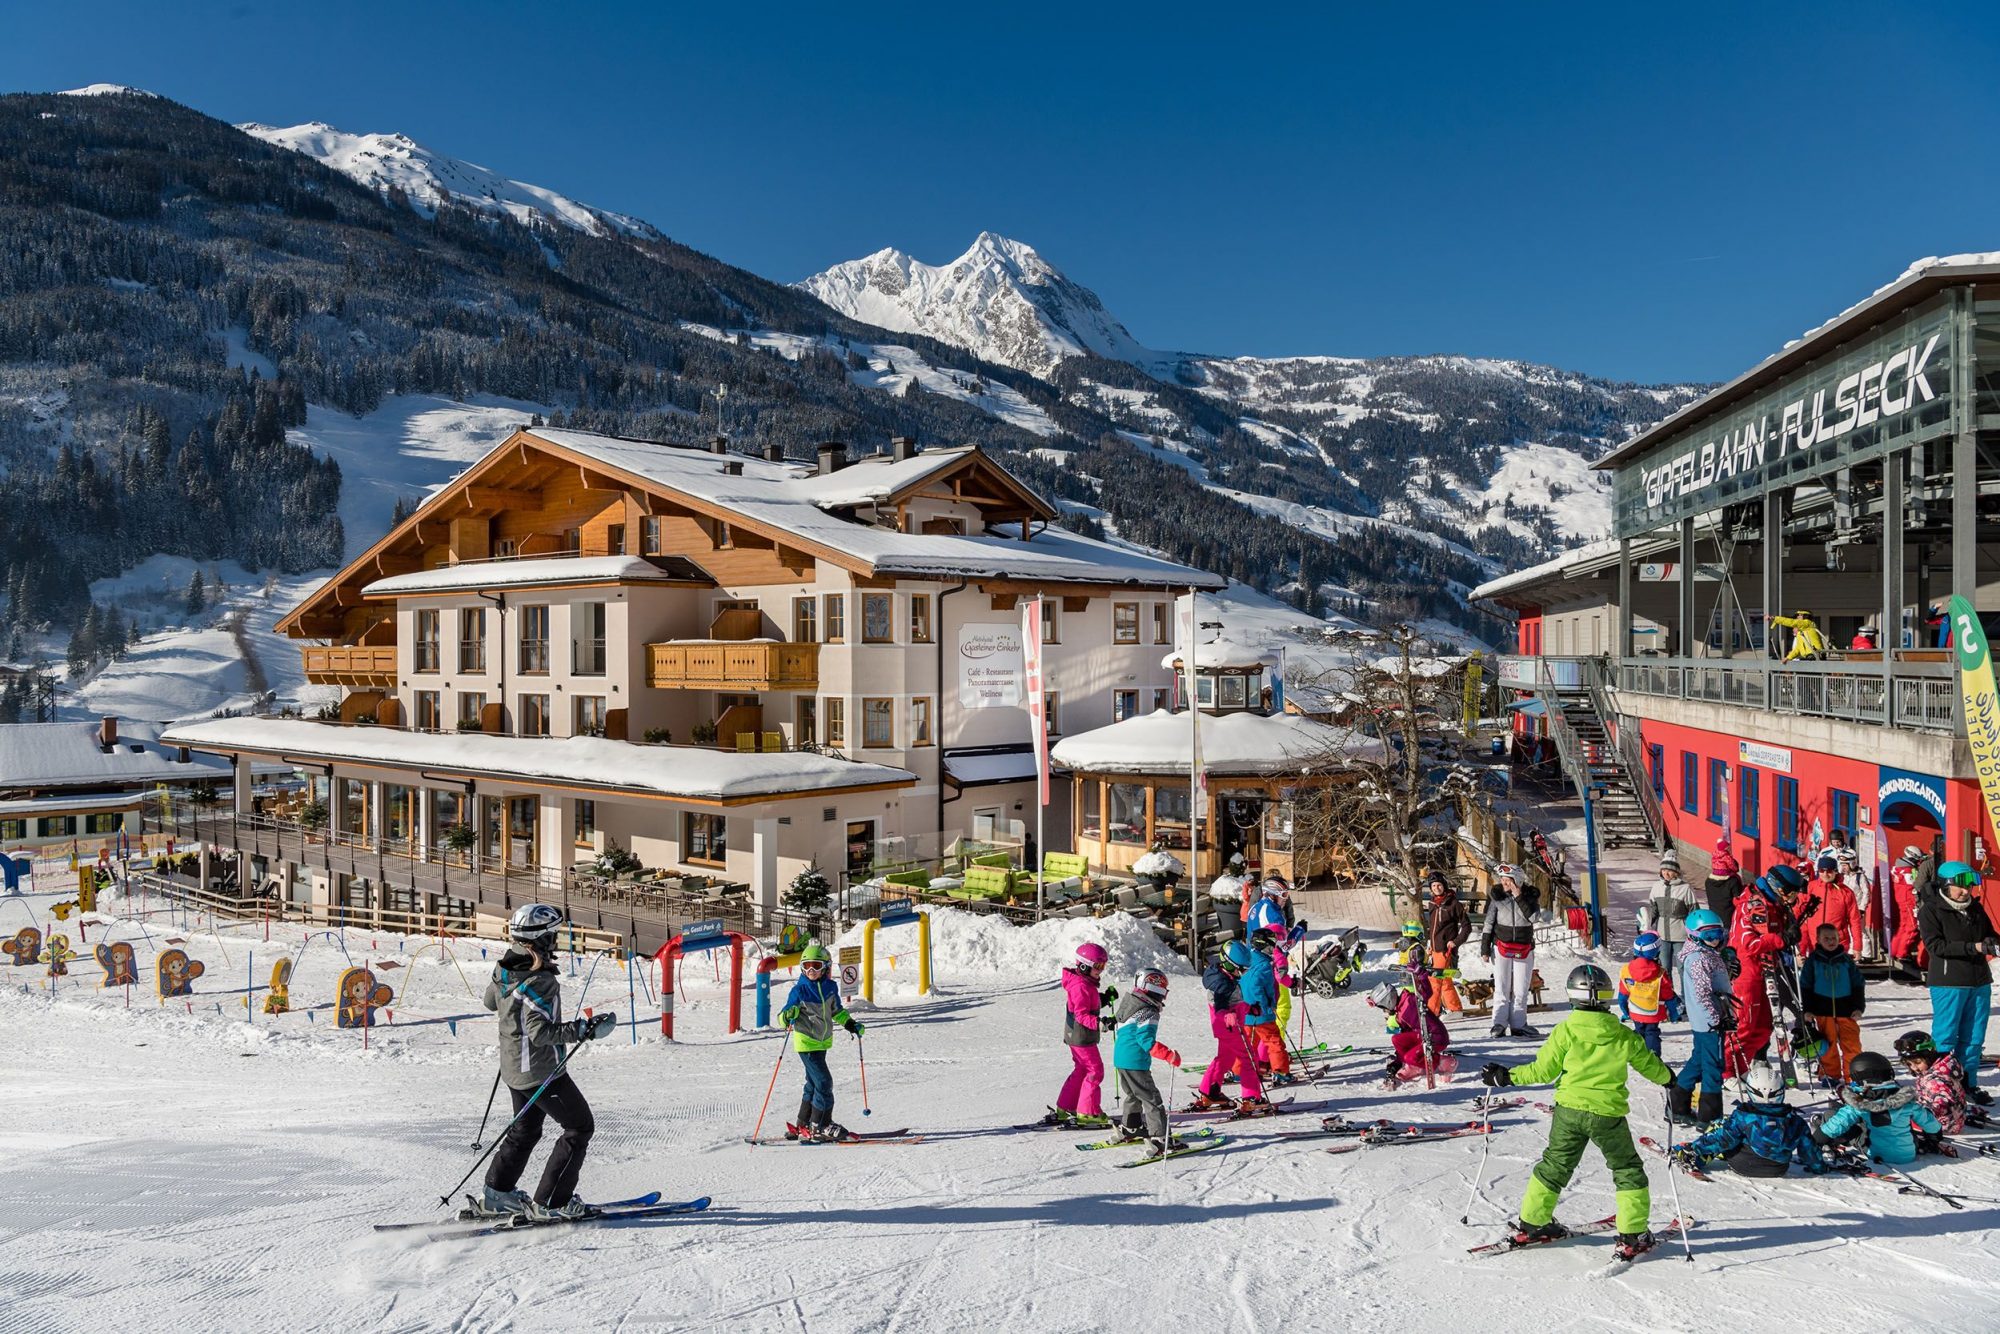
(196,598)
(113,639)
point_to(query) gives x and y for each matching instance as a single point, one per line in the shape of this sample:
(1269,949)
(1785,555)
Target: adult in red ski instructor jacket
(1757,948)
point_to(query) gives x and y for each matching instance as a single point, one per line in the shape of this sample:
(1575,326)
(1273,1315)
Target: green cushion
(1063,865)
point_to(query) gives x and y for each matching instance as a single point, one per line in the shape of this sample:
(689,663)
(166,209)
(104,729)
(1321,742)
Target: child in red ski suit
(1757,949)
(1081,1101)
(1404,1007)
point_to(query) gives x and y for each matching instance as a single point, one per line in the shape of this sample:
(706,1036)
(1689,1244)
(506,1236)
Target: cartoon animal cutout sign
(280,999)
(25,949)
(176,973)
(121,969)
(359,996)
(61,911)
(58,955)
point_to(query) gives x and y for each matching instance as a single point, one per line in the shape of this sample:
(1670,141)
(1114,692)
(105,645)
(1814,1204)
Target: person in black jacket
(1961,943)
(1448,926)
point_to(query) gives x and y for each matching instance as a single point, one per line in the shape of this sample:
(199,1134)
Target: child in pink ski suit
(1081,1100)
(1409,1005)
(1227,1017)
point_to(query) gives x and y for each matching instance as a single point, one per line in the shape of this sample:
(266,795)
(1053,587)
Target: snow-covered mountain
(427,178)
(1000,300)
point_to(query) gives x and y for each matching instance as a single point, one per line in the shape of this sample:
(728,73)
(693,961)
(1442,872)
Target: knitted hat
(1672,858)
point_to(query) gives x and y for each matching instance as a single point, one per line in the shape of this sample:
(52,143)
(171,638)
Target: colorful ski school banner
(1982,702)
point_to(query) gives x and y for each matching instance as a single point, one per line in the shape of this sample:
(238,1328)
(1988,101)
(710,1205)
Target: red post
(735,982)
(668,953)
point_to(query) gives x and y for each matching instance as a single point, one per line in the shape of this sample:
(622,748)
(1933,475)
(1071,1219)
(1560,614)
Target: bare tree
(1403,763)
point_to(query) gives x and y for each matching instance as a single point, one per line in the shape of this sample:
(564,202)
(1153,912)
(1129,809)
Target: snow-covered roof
(976,768)
(526,573)
(1222,652)
(72,802)
(685,772)
(788,498)
(1231,743)
(50,755)
(875,477)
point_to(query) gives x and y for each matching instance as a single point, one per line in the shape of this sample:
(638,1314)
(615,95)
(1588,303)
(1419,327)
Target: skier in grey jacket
(526,992)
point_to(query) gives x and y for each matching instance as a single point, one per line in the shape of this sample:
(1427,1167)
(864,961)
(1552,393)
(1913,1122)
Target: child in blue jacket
(811,1011)
(1873,1102)
(1762,1136)
(1132,1056)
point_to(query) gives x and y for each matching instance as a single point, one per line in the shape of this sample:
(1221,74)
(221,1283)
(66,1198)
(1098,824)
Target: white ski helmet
(534,924)
(1761,1082)
(1150,983)
(1384,996)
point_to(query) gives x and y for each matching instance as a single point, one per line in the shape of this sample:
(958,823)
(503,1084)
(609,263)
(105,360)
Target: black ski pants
(563,1100)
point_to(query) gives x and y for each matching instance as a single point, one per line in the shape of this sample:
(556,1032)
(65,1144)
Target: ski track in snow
(223,1174)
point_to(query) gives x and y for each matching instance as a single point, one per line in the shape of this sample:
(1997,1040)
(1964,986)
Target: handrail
(1626,746)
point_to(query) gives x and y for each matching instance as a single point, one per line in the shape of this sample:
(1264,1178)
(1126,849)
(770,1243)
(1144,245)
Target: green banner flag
(1982,702)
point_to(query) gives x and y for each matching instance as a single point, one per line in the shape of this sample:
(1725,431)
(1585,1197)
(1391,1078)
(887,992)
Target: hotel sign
(989,666)
(1895,386)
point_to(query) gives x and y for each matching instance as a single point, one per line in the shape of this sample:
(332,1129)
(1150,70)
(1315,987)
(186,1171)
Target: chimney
(774,451)
(107,733)
(832,456)
(903,447)
(719,445)
(733,468)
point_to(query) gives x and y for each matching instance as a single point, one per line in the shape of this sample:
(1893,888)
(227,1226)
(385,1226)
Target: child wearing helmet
(1911,875)
(1404,1008)
(1646,991)
(1273,912)
(1758,949)
(1874,1105)
(811,1010)
(1081,1101)
(1587,1057)
(1133,1052)
(1446,929)
(1261,989)
(526,992)
(1940,1083)
(1763,1135)
(1703,989)
(1226,1011)
(1961,942)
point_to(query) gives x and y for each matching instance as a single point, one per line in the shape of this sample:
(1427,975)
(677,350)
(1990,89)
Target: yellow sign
(1981,701)
(1472,672)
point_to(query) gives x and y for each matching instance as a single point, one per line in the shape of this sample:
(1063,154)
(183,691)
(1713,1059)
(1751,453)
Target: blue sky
(1662,192)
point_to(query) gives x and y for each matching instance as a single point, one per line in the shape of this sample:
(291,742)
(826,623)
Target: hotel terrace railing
(695,664)
(1919,694)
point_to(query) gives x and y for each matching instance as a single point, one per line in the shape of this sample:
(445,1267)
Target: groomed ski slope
(195,1171)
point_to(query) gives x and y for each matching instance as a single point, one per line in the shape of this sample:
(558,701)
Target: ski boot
(1211,1102)
(497,1202)
(1524,1031)
(1533,1234)
(1098,1122)
(559,1213)
(1980,1096)
(1255,1107)
(1632,1245)
(1284,1079)
(1058,1117)
(1499,1031)
(1161,1148)
(831,1133)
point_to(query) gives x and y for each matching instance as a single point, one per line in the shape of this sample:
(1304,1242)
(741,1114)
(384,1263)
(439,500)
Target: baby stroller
(1331,967)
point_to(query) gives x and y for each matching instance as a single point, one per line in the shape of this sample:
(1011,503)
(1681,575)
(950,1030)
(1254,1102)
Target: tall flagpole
(1195,813)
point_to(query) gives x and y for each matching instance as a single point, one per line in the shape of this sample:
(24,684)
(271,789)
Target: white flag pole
(1194,783)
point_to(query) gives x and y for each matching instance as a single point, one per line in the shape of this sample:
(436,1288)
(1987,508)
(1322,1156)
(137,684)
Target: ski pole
(563,1064)
(861,1056)
(1674,1183)
(772,1085)
(1485,1147)
(1167,1120)
(489,1109)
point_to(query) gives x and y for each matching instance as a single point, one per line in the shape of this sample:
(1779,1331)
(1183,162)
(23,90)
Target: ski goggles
(813,966)
(1964,879)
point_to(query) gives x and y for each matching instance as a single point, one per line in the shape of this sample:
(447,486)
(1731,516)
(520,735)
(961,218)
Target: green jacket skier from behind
(1586,1058)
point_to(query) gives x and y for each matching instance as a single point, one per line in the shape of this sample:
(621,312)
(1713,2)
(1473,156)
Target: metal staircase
(1599,749)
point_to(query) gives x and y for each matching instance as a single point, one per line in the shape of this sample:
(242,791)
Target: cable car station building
(1850,477)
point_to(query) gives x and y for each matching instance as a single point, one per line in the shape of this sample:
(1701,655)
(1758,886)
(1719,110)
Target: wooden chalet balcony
(703,664)
(353,665)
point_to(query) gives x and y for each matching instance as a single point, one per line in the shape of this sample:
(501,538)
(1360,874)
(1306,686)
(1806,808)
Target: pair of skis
(473,1221)
(902,1136)
(1595,1227)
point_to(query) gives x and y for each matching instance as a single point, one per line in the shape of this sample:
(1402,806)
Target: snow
(105,90)
(405,449)
(594,762)
(1528,474)
(1000,299)
(1223,651)
(66,754)
(518,574)
(1231,743)
(223,1167)
(237,339)
(428,179)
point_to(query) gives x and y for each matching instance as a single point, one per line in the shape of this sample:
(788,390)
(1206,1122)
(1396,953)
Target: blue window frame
(1656,767)
(1845,807)
(1786,834)
(1690,783)
(1746,802)
(1718,793)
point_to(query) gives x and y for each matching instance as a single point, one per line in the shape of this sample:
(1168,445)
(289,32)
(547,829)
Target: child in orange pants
(1260,993)
(1832,988)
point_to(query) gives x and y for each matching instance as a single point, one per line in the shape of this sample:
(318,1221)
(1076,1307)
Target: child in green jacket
(1586,1058)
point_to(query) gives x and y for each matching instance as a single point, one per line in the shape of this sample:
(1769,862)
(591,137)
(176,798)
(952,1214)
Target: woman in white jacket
(1507,940)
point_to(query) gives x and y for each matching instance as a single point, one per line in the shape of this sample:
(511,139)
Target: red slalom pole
(861,1055)
(771,1086)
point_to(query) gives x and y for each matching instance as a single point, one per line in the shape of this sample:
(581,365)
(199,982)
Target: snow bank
(982,943)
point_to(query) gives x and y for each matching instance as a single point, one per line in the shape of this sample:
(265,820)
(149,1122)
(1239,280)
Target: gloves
(790,1015)
(1296,933)
(1109,997)
(1107,1018)
(1162,1052)
(1495,1075)
(1685,1156)
(1676,1011)
(1725,1015)
(600,1024)
(856,1029)
(1231,1022)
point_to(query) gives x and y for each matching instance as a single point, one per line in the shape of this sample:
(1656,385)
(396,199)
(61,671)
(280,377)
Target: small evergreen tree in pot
(811,894)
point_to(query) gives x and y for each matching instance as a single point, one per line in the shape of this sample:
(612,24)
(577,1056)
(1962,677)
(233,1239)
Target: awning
(1528,708)
(983,767)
